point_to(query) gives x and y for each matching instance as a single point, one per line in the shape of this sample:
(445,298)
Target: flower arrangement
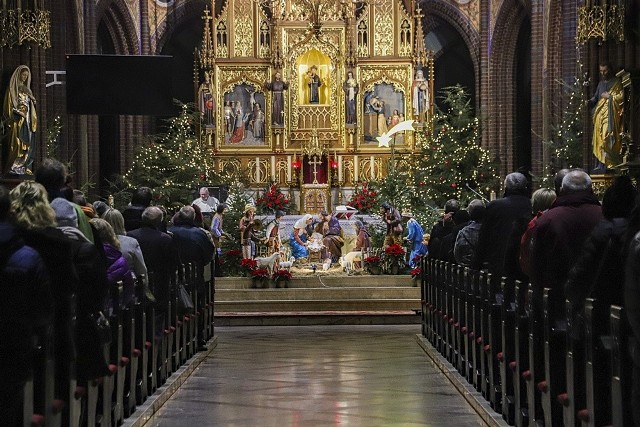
(281,277)
(364,199)
(272,200)
(393,259)
(248,266)
(260,275)
(229,263)
(373,264)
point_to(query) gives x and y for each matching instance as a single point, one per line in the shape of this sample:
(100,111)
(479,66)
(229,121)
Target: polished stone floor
(317,376)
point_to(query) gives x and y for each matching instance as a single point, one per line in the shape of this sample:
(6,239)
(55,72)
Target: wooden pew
(573,397)
(507,353)
(597,358)
(520,364)
(621,366)
(554,382)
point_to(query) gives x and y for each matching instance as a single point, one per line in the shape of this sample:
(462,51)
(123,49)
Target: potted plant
(416,274)
(281,278)
(248,265)
(373,264)
(393,259)
(260,278)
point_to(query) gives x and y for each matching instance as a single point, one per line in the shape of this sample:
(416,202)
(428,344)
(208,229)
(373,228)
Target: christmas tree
(452,164)
(173,164)
(565,145)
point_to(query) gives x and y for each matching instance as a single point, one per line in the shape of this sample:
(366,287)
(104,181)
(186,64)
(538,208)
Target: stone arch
(119,24)
(452,15)
(181,12)
(501,85)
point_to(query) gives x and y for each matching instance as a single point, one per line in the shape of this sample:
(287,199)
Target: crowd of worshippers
(55,245)
(562,238)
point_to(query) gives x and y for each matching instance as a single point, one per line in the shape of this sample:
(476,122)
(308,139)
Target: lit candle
(257,169)
(289,168)
(273,168)
(339,168)
(372,162)
(355,169)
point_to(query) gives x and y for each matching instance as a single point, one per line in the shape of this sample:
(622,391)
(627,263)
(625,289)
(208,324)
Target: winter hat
(66,215)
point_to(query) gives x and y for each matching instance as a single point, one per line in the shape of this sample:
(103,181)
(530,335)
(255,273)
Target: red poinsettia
(281,275)
(372,260)
(364,199)
(249,264)
(394,250)
(272,199)
(260,273)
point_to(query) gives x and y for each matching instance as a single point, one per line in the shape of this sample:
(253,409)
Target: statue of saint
(420,94)
(314,83)
(277,86)
(21,120)
(350,88)
(607,119)
(207,102)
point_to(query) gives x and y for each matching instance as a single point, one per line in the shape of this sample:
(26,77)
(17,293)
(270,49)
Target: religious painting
(383,108)
(244,116)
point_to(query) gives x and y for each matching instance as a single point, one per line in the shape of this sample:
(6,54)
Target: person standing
(246,228)
(229,118)
(206,202)
(239,130)
(20,117)
(314,82)
(277,86)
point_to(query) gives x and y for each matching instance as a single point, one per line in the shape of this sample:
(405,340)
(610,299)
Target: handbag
(185,303)
(101,326)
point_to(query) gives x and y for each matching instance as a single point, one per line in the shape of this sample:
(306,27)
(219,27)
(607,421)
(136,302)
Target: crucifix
(314,162)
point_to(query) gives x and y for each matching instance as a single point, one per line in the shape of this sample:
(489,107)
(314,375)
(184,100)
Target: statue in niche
(420,93)
(277,86)
(20,118)
(207,103)
(350,88)
(314,83)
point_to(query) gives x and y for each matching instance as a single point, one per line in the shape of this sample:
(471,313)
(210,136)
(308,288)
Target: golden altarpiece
(296,91)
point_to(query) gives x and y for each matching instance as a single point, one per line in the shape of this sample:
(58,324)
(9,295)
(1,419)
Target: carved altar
(297,81)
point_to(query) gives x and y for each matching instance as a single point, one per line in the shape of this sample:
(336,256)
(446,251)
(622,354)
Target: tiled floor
(317,376)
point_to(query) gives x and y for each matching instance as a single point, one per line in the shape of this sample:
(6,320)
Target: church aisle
(317,376)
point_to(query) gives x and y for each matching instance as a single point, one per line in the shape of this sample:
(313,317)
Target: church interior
(374,112)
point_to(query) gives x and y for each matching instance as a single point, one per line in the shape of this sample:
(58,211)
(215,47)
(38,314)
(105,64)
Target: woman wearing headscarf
(298,238)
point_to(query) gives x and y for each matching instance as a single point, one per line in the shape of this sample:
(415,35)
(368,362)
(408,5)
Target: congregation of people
(55,245)
(61,259)
(563,239)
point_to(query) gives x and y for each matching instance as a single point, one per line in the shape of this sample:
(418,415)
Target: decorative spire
(420,51)
(207,52)
(348,13)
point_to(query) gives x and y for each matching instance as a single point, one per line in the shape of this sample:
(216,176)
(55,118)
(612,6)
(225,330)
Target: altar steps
(369,300)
